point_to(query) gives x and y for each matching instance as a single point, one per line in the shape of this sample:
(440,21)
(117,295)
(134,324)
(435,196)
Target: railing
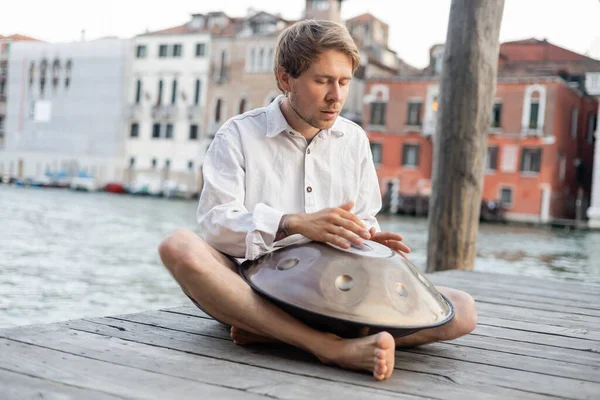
(164,111)
(133,111)
(194,112)
(221,75)
(429,126)
(592,83)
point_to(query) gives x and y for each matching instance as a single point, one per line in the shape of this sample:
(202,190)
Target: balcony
(221,75)
(592,83)
(133,111)
(194,112)
(164,111)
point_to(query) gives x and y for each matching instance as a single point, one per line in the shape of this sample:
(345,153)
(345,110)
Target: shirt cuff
(265,223)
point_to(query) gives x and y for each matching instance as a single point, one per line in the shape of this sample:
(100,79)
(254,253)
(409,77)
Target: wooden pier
(536,339)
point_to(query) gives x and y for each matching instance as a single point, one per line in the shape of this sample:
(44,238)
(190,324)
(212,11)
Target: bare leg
(464,322)
(211,279)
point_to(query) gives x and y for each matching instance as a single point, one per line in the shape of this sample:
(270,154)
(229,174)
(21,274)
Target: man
(289,172)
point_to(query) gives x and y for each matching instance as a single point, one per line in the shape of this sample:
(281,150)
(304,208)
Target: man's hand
(389,239)
(337,226)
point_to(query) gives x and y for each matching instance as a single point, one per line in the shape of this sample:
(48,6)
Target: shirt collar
(276,122)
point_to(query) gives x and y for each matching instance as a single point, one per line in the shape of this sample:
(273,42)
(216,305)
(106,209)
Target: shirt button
(309,189)
(308,151)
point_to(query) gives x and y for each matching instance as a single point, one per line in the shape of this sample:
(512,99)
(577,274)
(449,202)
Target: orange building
(541,136)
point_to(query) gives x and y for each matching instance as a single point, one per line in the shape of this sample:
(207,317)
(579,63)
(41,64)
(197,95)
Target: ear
(284,79)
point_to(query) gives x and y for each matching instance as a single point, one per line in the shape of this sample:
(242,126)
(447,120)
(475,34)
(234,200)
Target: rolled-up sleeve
(368,202)
(223,220)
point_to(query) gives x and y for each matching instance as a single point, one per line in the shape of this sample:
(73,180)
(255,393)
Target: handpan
(350,292)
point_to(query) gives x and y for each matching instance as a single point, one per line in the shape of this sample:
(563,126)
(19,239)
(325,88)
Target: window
(162,51)
(55,73)
(252,59)
(506,197)
(169,133)
(197,92)
(31,73)
(155,131)
(193,132)
(43,68)
(153,163)
(496,115)
(200,49)
(534,110)
(591,127)
(376,152)
(135,130)
(140,51)
(174,92)
(167,163)
(531,160)
(242,106)
(261,59)
(218,111)
(574,113)
(378,113)
(138,91)
(177,50)
(410,155)
(160,91)
(131,162)
(414,114)
(190,165)
(491,159)
(68,68)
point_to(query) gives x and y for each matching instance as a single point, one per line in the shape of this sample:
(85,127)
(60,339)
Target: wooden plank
(104,376)
(536,337)
(518,362)
(542,350)
(15,386)
(555,294)
(520,280)
(205,342)
(531,304)
(189,366)
(487,326)
(484,374)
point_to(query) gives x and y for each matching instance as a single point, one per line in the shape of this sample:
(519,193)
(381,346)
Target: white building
(64,110)
(166,99)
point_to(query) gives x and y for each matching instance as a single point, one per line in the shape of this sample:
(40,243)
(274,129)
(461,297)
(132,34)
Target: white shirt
(258,168)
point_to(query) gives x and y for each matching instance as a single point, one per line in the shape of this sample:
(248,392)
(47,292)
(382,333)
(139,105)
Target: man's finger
(389,236)
(353,227)
(347,206)
(349,216)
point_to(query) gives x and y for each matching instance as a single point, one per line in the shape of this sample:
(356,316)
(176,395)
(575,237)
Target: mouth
(330,114)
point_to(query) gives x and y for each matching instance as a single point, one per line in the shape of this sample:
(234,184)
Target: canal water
(66,255)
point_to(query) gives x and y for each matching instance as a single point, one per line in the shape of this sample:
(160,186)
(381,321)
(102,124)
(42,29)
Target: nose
(335,92)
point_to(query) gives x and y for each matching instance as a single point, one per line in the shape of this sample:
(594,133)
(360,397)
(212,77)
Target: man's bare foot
(243,337)
(373,353)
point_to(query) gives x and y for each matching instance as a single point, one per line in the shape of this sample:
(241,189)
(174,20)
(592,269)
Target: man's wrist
(282,229)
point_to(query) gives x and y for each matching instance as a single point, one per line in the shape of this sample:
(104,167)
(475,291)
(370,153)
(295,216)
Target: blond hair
(300,44)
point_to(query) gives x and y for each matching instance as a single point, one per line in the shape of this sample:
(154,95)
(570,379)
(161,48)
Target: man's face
(319,93)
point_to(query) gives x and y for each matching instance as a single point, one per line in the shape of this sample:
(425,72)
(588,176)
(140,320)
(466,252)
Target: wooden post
(467,89)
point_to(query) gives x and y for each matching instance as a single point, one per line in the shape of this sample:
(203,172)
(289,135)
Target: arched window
(43,70)
(534,105)
(31,73)
(68,68)
(242,106)
(55,73)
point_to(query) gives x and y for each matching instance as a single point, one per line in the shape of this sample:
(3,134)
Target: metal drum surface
(350,292)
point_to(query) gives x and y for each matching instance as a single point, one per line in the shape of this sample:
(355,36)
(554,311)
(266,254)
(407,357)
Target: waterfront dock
(536,339)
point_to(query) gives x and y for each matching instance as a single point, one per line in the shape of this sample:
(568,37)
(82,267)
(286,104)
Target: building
(65,109)
(592,85)
(166,104)
(241,66)
(541,140)
(376,60)
(5,43)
